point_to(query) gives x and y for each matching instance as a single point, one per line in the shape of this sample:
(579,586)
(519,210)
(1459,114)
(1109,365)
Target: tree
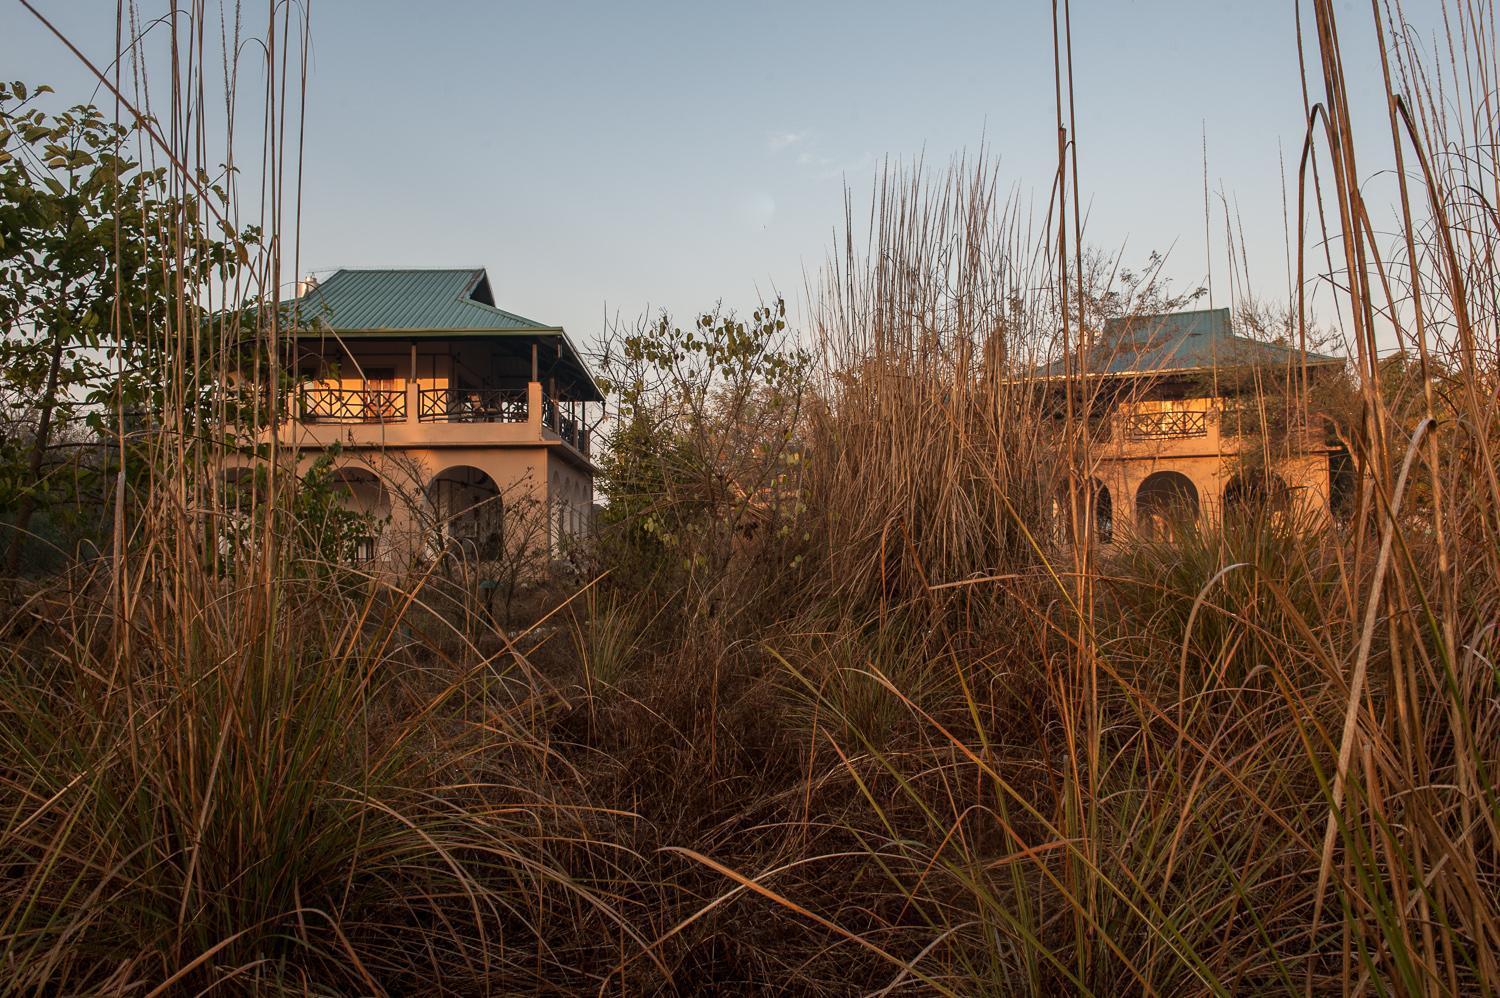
(704,457)
(97,256)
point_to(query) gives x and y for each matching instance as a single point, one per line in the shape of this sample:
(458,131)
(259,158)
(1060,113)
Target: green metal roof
(408,300)
(441,304)
(1179,342)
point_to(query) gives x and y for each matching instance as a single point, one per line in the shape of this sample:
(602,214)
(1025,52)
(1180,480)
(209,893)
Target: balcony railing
(1275,422)
(325,404)
(353,405)
(1172,424)
(472,405)
(571,430)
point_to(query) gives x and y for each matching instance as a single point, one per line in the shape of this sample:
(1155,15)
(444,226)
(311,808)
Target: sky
(606,159)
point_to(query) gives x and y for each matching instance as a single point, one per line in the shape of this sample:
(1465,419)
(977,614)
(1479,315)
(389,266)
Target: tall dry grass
(237,765)
(1252,759)
(938,749)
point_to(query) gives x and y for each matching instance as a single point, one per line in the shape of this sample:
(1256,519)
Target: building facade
(1190,421)
(453,424)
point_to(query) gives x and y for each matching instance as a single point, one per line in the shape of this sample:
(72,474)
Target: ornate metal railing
(353,405)
(571,430)
(1172,424)
(472,405)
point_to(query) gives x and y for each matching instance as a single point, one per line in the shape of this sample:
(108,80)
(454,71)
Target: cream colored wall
(571,499)
(519,474)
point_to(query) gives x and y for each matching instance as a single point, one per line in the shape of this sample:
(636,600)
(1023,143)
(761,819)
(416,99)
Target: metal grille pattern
(571,430)
(354,405)
(472,405)
(1176,424)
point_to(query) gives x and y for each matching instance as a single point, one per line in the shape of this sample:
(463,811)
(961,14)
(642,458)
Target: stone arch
(1257,491)
(1100,505)
(467,507)
(1343,485)
(1104,511)
(363,491)
(242,484)
(1164,501)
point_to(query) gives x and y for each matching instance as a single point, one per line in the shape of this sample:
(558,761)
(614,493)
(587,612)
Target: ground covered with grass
(845,694)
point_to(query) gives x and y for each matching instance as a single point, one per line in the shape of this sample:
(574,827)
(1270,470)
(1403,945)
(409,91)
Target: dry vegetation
(846,717)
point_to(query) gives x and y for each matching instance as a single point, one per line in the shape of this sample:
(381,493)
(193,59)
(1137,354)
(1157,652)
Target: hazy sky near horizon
(604,158)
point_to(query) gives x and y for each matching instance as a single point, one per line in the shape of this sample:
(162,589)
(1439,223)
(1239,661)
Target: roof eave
(1167,372)
(441,334)
(435,333)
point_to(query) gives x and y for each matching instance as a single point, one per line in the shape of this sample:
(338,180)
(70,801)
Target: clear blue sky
(617,155)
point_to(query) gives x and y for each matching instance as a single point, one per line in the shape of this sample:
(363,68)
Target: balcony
(416,416)
(1276,422)
(1171,424)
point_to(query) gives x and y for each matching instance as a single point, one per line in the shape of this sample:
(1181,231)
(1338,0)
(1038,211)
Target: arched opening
(1343,485)
(1096,503)
(243,487)
(1104,511)
(240,493)
(1165,501)
(1253,493)
(364,495)
(466,505)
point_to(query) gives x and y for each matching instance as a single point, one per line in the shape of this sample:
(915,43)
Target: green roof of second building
(1181,341)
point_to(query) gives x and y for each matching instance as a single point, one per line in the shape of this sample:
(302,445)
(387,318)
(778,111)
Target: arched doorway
(1104,511)
(1253,493)
(245,487)
(1097,503)
(1165,501)
(466,506)
(364,495)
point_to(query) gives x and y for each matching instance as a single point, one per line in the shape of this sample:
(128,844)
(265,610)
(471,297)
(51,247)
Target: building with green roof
(462,428)
(1191,419)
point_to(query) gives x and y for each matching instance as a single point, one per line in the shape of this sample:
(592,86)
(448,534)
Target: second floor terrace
(424,358)
(412,413)
(1208,425)
(1186,384)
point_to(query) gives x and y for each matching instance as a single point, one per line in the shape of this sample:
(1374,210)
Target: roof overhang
(582,377)
(1164,374)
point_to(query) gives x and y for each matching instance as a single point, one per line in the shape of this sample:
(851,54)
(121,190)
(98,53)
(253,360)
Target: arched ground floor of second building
(1145,495)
